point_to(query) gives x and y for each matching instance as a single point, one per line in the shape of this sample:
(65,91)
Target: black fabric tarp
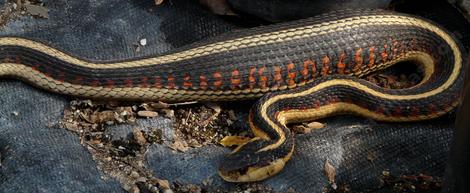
(39,156)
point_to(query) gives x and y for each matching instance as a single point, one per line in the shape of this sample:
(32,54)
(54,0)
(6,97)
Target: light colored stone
(143,42)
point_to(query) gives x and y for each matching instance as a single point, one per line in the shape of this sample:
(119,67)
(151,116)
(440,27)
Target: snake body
(303,70)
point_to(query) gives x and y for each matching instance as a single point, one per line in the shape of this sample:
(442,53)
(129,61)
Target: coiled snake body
(303,70)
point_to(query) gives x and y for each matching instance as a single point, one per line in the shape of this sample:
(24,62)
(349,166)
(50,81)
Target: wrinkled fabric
(360,150)
(36,155)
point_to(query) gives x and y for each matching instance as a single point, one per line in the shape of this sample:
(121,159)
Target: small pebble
(143,42)
(385,173)
(141,179)
(138,136)
(37,10)
(134,174)
(231,115)
(167,191)
(169,113)
(135,190)
(164,184)
(126,187)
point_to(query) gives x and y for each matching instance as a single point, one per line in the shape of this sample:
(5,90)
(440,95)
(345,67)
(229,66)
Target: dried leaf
(219,7)
(103,117)
(124,114)
(216,108)
(330,173)
(147,113)
(301,129)
(307,128)
(315,125)
(86,117)
(231,115)
(179,145)
(139,136)
(95,141)
(160,105)
(163,183)
(71,126)
(155,106)
(426,177)
(169,113)
(158,2)
(37,10)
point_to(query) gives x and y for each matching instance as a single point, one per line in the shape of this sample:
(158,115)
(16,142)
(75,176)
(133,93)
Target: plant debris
(158,2)
(37,10)
(147,113)
(420,183)
(305,128)
(403,75)
(242,188)
(13,9)
(218,7)
(330,172)
(202,125)
(195,125)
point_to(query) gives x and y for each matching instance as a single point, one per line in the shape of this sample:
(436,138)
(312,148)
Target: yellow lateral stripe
(49,83)
(417,22)
(296,115)
(244,42)
(229,45)
(138,93)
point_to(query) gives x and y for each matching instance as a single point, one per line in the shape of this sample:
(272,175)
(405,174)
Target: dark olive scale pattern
(268,57)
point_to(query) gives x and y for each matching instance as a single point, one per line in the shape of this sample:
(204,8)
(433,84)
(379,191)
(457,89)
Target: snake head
(248,163)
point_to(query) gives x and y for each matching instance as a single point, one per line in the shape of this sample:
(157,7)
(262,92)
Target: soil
(14,9)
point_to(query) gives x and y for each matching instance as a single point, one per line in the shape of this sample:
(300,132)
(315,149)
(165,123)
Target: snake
(297,71)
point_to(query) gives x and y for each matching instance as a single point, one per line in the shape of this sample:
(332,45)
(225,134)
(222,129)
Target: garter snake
(302,70)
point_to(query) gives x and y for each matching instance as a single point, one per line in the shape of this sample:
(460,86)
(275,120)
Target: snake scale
(302,70)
